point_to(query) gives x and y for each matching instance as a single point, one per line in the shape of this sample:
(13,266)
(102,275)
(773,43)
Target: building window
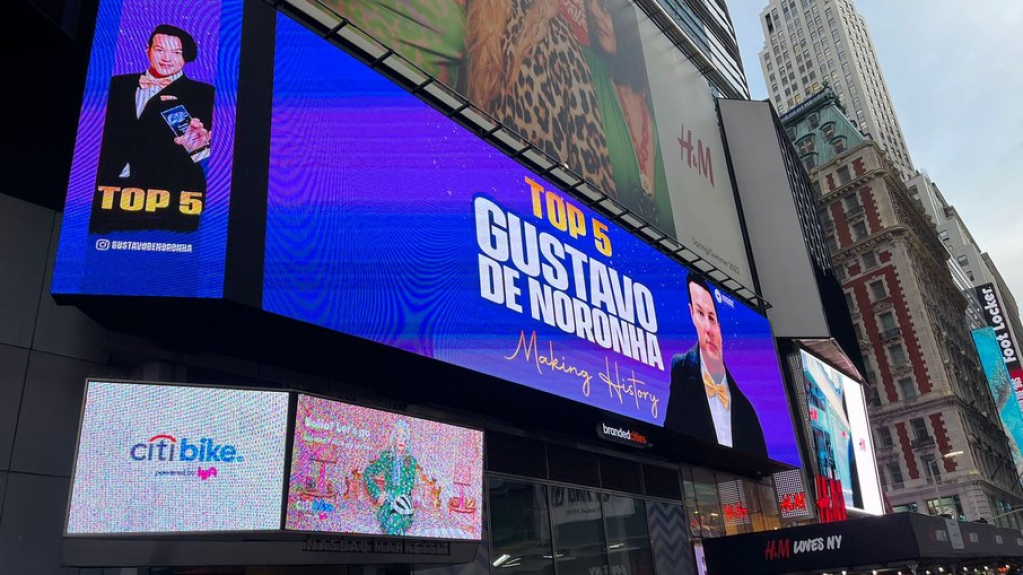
(628,539)
(885,435)
(950,507)
(520,519)
(828,130)
(932,471)
(809,161)
(920,433)
(897,354)
(907,388)
(585,528)
(843,175)
(963,260)
(895,472)
(859,230)
(875,396)
(851,203)
(705,484)
(814,121)
(877,291)
(887,321)
(943,234)
(849,303)
(805,145)
(838,144)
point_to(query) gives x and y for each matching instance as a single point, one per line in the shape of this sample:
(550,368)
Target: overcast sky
(955,72)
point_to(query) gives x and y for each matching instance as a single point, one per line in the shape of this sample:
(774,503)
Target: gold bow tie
(146,82)
(715,390)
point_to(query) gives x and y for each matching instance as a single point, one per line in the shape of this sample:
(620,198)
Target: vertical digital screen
(1003,390)
(147,203)
(366,471)
(841,434)
(388,221)
(994,313)
(171,459)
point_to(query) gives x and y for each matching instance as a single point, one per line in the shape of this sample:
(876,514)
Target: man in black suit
(150,144)
(705,401)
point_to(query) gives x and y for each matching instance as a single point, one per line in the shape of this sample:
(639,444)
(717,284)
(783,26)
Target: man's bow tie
(146,82)
(715,390)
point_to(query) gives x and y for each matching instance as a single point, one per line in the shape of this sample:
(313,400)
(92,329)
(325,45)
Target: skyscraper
(810,43)
(708,37)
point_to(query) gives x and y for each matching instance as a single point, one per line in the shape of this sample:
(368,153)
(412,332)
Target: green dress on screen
(428,33)
(625,170)
(399,476)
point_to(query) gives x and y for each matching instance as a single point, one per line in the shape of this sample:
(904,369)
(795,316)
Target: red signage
(830,500)
(793,502)
(792,495)
(735,512)
(777,549)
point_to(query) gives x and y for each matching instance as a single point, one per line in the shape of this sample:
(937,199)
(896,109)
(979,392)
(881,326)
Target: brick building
(939,444)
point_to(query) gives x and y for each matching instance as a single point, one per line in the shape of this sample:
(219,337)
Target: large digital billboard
(1009,348)
(841,434)
(147,203)
(594,83)
(173,459)
(388,221)
(366,471)
(1003,392)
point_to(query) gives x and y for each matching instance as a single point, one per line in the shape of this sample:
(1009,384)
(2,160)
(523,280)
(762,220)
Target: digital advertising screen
(147,203)
(1008,347)
(596,85)
(1003,391)
(388,221)
(371,472)
(177,459)
(841,434)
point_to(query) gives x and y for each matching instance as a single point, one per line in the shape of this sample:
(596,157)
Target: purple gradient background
(371,232)
(122,33)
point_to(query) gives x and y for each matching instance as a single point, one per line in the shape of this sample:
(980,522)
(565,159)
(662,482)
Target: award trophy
(179,119)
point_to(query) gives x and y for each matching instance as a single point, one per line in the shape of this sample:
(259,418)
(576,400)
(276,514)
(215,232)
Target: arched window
(828,130)
(805,145)
(838,144)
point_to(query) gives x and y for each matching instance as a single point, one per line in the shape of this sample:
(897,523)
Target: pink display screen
(372,472)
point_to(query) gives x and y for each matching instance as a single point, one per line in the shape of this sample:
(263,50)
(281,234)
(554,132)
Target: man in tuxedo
(705,401)
(143,148)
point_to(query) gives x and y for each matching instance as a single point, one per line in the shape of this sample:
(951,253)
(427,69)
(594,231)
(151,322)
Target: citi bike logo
(164,447)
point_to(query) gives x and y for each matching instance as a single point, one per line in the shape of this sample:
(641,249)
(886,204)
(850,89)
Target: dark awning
(859,545)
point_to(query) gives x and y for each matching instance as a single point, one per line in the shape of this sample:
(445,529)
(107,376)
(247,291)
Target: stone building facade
(939,444)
